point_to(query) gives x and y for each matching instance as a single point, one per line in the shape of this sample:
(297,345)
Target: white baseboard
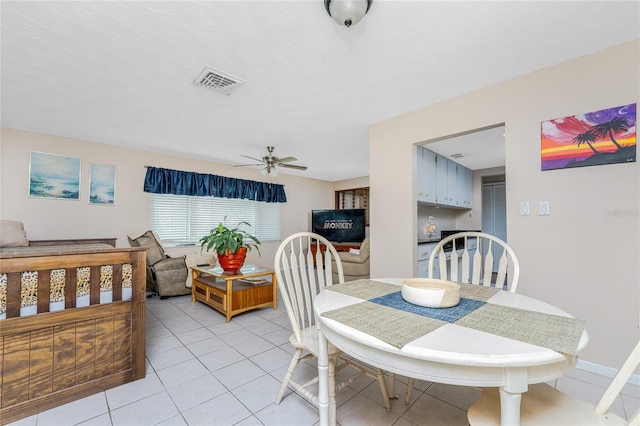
(605,371)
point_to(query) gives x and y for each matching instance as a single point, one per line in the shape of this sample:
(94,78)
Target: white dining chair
(479,258)
(300,277)
(472,258)
(545,405)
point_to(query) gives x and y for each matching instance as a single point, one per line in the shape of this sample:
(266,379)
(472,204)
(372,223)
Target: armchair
(355,266)
(165,275)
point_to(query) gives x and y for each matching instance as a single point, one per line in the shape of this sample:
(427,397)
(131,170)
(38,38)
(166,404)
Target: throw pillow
(12,234)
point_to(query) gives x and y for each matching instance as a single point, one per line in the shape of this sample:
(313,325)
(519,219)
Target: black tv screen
(339,226)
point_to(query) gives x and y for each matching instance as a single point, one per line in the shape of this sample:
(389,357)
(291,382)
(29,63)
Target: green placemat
(477,292)
(387,324)
(364,289)
(561,334)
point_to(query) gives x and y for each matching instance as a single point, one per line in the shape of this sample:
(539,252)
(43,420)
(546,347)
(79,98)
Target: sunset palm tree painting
(607,136)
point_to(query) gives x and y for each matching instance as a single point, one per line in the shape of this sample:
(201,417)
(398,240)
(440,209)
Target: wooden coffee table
(234,294)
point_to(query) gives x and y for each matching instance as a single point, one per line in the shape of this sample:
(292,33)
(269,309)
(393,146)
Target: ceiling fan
(270,162)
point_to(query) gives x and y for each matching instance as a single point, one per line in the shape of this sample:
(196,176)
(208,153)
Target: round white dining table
(451,354)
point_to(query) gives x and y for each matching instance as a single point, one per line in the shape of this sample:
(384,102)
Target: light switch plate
(524,208)
(543,208)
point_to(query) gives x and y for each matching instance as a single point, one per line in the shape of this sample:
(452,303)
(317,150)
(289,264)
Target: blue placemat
(453,314)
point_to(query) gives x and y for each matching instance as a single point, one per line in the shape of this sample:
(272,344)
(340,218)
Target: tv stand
(338,246)
(344,246)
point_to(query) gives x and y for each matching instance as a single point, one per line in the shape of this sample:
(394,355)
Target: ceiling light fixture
(269,170)
(347,12)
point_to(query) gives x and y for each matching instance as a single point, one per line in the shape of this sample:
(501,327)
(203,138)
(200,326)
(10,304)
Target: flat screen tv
(339,226)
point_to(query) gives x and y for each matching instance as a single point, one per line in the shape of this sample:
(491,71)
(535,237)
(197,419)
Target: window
(184,219)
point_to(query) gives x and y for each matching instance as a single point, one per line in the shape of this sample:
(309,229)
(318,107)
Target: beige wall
(582,257)
(51,219)
(361,182)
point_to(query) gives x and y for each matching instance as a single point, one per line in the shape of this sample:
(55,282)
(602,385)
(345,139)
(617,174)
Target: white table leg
(332,391)
(511,394)
(323,379)
(509,408)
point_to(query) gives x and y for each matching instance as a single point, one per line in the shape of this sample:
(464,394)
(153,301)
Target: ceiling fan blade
(253,158)
(271,161)
(245,165)
(293,166)
(287,159)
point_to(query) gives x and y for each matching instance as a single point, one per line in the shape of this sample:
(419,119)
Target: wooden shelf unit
(356,198)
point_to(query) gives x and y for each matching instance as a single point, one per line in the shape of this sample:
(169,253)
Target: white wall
(52,219)
(581,258)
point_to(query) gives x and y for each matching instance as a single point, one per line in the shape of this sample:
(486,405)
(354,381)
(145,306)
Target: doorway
(494,210)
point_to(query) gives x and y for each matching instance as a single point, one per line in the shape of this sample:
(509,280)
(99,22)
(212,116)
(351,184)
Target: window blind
(184,219)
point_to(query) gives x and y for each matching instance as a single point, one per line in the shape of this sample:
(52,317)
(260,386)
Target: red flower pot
(232,262)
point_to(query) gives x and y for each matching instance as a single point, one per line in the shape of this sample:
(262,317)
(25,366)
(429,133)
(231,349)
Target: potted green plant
(231,245)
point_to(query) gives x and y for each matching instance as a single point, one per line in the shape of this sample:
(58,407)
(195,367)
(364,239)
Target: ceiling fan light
(264,171)
(273,172)
(347,12)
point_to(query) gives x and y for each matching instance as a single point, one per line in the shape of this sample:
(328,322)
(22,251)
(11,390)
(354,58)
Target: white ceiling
(120,72)
(476,150)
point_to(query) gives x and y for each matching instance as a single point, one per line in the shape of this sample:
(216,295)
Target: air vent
(217,80)
(458,155)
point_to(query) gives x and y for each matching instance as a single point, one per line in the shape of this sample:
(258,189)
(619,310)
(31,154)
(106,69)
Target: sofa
(355,265)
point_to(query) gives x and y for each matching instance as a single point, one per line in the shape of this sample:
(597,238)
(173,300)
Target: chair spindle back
(303,268)
(473,262)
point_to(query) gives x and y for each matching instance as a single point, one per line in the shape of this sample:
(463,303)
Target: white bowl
(431,292)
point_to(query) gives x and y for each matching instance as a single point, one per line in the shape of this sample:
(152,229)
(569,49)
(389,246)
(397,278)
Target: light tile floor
(203,371)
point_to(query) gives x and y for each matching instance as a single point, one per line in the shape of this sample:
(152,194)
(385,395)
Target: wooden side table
(234,294)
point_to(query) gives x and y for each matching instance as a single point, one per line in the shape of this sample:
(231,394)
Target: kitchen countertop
(428,240)
(444,233)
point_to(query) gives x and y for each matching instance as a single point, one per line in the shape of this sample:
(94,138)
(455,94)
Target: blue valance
(168,181)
